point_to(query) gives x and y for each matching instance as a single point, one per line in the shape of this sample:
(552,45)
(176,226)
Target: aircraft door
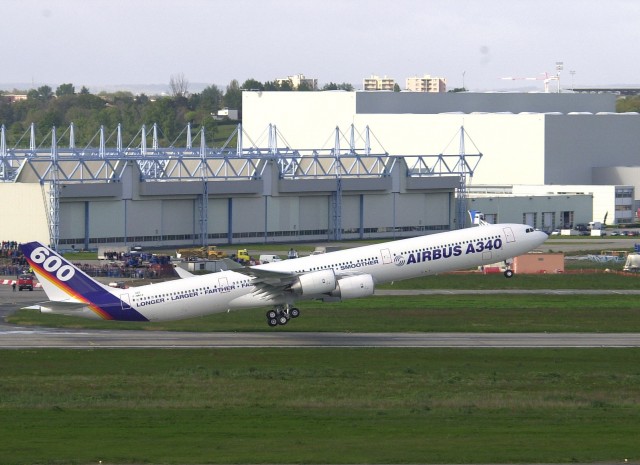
(386,256)
(508,235)
(223,284)
(126,303)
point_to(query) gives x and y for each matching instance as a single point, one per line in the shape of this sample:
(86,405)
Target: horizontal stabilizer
(55,305)
(182,273)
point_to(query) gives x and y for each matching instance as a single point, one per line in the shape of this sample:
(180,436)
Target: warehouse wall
(23,217)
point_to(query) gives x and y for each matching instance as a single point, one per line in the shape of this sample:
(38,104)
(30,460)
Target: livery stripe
(70,291)
(78,285)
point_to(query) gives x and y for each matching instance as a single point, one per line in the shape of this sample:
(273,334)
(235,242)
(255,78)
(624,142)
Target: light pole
(572,73)
(559,67)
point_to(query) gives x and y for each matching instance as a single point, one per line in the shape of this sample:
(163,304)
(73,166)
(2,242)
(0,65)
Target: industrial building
(338,165)
(535,139)
(174,196)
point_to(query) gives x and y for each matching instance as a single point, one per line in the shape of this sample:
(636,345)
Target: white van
(269,258)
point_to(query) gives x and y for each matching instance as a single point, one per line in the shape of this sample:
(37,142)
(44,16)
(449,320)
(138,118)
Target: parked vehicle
(25,281)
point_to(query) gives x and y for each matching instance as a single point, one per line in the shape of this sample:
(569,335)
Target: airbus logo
(399,260)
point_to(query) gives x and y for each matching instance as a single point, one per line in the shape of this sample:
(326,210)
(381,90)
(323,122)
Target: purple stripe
(85,288)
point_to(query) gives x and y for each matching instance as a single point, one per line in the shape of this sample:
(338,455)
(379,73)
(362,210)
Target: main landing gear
(281,315)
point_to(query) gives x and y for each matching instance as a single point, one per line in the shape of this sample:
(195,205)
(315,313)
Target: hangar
(167,197)
(330,189)
(534,139)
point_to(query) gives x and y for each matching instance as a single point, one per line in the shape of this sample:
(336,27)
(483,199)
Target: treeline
(47,108)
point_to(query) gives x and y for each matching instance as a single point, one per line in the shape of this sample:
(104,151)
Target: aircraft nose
(541,236)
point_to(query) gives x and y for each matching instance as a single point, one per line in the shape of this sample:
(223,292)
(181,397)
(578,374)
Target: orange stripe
(69,291)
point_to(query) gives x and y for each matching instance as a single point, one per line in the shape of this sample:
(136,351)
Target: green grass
(341,405)
(486,313)
(319,406)
(430,313)
(590,276)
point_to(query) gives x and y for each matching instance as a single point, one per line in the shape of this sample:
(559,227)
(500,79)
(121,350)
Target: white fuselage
(385,262)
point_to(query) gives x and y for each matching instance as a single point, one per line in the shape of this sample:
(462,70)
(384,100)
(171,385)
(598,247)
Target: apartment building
(377,83)
(426,83)
(298,79)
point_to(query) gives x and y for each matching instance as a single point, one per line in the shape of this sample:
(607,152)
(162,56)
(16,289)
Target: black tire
(271,315)
(272,322)
(294,312)
(508,274)
(282,320)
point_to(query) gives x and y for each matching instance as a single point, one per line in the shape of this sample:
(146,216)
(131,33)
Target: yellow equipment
(243,256)
(210,252)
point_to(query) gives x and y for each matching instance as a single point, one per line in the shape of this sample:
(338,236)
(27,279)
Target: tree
(210,99)
(271,85)
(179,85)
(6,112)
(42,93)
(346,86)
(396,87)
(330,86)
(252,84)
(162,112)
(333,86)
(45,93)
(233,96)
(304,87)
(65,89)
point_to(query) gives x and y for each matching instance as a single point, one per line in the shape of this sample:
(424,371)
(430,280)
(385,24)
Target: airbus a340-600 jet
(333,276)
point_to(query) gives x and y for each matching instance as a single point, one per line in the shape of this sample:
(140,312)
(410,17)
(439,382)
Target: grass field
(340,406)
(320,406)
(464,313)
(429,313)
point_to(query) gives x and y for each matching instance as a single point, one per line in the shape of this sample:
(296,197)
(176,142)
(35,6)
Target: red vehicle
(25,281)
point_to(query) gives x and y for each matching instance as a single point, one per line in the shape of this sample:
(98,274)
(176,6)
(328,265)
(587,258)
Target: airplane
(333,276)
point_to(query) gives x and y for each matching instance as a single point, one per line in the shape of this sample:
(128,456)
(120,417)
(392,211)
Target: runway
(13,337)
(27,338)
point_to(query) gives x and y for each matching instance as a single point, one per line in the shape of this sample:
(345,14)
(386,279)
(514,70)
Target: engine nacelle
(354,287)
(318,282)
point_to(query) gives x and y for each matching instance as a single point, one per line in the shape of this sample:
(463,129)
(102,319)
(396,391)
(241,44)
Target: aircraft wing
(67,305)
(268,283)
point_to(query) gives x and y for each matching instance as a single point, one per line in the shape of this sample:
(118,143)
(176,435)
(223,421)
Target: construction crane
(546,77)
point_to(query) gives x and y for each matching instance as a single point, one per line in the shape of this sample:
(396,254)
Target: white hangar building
(161,199)
(567,141)
(537,139)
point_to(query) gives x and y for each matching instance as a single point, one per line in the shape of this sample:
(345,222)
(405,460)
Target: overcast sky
(115,42)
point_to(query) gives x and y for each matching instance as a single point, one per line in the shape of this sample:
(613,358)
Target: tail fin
(63,282)
(60,279)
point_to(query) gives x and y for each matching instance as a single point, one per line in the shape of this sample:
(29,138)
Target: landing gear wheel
(281,314)
(508,273)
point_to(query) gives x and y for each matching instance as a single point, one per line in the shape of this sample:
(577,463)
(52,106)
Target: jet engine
(354,286)
(318,282)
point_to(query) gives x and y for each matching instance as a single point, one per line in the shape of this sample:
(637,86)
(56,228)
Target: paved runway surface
(20,338)
(12,337)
